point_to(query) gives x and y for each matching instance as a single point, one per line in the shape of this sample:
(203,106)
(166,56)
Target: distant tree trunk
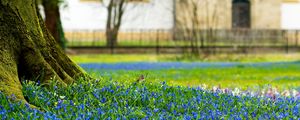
(112,37)
(115,10)
(53,21)
(28,50)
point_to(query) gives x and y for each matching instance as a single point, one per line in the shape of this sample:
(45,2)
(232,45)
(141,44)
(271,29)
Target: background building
(143,19)
(290,14)
(139,14)
(162,14)
(225,14)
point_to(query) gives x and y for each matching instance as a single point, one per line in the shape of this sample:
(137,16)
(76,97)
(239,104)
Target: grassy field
(172,90)
(283,74)
(109,100)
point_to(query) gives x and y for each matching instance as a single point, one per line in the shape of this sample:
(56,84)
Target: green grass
(233,77)
(108,58)
(279,76)
(116,95)
(106,99)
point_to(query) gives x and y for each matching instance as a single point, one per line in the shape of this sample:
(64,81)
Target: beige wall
(210,14)
(216,14)
(266,14)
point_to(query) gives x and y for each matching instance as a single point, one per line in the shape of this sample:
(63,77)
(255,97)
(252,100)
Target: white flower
(54,94)
(215,88)
(295,93)
(286,93)
(236,91)
(252,94)
(204,86)
(62,97)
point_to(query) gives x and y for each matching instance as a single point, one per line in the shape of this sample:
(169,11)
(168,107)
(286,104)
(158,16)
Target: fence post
(287,41)
(112,49)
(296,38)
(201,39)
(157,42)
(80,38)
(94,38)
(140,41)
(72,40)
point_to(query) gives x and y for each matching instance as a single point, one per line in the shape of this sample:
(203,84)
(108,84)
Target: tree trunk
(28,50)
(112,37)
(53,21)
(115,12)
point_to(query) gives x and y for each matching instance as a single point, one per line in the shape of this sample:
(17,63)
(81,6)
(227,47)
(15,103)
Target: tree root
(28,50)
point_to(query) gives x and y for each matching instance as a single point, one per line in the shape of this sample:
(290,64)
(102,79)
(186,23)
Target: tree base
(28,50)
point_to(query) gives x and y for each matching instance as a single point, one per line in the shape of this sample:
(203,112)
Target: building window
(241,12)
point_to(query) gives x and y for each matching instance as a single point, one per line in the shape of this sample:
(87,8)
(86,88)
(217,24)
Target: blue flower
(81,106)
(72,103)
(195,115)
(156,110)
(187,117)
(2,110)
(103,100)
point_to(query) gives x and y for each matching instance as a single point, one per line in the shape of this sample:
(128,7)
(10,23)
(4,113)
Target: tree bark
(28,50)
(112,37)
(115,12)
(53,21)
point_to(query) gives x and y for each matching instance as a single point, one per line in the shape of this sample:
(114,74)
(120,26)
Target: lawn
(283,75)
(227,71)
(242,87)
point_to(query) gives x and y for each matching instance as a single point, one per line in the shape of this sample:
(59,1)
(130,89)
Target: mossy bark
(27,49)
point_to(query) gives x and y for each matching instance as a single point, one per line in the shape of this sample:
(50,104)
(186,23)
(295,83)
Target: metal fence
(188,38)
(94,38)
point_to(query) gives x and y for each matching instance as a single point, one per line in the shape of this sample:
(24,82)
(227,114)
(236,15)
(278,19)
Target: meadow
(254,76)
(228,71)
(234,87)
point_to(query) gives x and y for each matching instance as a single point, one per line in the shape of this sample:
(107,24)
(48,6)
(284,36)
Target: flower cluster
(109,100)
(269,92)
